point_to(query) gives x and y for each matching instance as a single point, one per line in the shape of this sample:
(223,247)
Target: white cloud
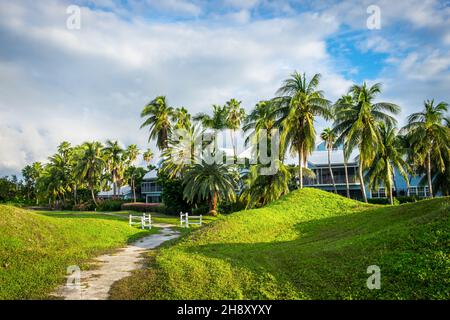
(59,84)
(176,6)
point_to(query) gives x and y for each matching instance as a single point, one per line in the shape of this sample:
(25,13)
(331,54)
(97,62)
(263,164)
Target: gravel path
(95,284)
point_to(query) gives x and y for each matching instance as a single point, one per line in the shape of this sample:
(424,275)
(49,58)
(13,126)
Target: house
(125,193)
(150,189)
(318,163)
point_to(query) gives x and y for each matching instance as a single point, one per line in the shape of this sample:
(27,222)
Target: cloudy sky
(91,83)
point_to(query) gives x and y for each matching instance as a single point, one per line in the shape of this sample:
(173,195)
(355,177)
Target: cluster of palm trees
(91,165)
(359,122)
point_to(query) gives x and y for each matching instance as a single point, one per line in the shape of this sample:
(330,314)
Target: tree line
(358,123)
(76,173)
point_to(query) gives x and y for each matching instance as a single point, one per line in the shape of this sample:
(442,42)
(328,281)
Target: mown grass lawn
(308,245)
(37,247)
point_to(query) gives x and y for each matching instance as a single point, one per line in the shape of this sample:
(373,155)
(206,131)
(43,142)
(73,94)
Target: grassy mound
(308,245)
(37,248)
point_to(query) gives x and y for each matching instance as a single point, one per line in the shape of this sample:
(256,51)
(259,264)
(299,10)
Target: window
(381,193)
(418,191)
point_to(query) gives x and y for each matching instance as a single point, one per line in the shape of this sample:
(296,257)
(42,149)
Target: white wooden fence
(186,220)
(145,221)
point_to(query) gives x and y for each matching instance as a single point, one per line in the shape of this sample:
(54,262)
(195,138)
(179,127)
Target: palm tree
(427,133)
(329,138)
(299,103)
(148,156)
(91,165)
(114,162)
(216,122)
(134,174)
(31,174)
(211,182)
(182,153)
(259,189)
(357,124)
(158,115)
(182,118)
(262,117)
(340,140)
(235,115)
(389,157)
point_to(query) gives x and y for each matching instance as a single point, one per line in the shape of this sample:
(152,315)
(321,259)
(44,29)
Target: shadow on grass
(330,256)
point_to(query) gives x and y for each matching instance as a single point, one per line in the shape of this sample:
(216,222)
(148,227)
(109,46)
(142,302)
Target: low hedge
(144,207)
(111,205)
(381,201)
(397,200)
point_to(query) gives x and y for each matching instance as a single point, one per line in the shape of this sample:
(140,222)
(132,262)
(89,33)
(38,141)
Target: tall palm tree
(133,174)
(91,165)
(211,182)
(235,115)
(262,117)
(148,156)
(389,157)
(157,114)
(182,153)
(340,140)
(114,162)
(329,138)
(299,102)
(216,122)
(427,133)
(31,174)
(181,118)
(357,124)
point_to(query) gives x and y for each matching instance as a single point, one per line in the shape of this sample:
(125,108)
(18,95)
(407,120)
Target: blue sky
(59,84)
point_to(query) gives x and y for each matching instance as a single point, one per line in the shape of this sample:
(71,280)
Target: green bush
(84,206)
(382,201)
(406,199)
(230,207)
(203,210)
(111,205)
(172,194)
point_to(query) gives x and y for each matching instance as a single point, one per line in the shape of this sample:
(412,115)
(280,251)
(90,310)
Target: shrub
(172,194)
(203,210)
(84,206)
(144,207)
(382,201)
(407,199)
(230,207)
(111,205)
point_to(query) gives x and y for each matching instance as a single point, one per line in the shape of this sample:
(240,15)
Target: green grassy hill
(308,245)
(37,248)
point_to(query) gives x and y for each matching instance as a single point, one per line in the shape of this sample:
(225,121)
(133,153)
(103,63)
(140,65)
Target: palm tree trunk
(391,198)
(300,167)
(430,184)
(331,171)
(114,185)
(134,189)
(75,194)
(93,196)
(213,205)
(233,137)
(347,186)
(361,181)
